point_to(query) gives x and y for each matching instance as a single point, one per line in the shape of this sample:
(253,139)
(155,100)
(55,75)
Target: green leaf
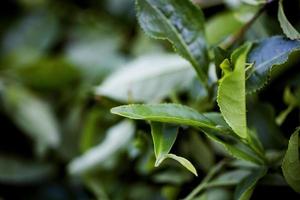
(232,92)
(286,26)
(261,118)
(168,113)
(30,37)
(117,138)
(33,116)
(164,136)
(149,78)
(198,148)
(181,23)
(255,2)
(39,75)
(246,186)
(184,162)
(215,34)
(14,170)
(291,163)
(94,48)
(265,55)
(229,178)
(212,124)
(215,194)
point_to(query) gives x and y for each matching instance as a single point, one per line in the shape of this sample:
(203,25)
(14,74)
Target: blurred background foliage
(59,140)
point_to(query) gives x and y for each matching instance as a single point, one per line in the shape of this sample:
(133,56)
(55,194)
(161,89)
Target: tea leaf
(14,170)
(265,55)
(215,34)
(246,186)
(286,26)
(291,163)
(232,92)
(148,79)
(181,23)
(184,162)
(116,139)
(33,116)
(212,124)
(168,113)
(229,178)
(164,136)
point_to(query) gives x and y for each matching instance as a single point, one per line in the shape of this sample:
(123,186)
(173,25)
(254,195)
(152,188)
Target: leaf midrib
(274,58)
(176,120)
(194,62)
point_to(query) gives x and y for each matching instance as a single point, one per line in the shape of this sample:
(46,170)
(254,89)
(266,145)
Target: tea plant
(243,69)
(210,90)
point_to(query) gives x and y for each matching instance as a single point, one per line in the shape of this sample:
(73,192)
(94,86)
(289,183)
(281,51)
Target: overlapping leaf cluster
(210,88)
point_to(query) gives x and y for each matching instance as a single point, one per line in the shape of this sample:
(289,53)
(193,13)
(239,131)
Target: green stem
(205,181)
(237,36)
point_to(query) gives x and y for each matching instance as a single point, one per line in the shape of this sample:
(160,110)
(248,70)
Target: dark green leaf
(229,178)
(215,194)
(181,23)
(19,171)
(33,116)
(291,163)
(286,26)
(265,55)
(245,188)
(261,118)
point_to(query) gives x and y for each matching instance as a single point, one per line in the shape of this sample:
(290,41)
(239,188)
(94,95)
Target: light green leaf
(149,78)
(245,188)
(212,124)
(117,138)
(255,2)
(164,136)
(169,113)
(184,162)
(286,26)
(291,163)
(292,101)
(182,23)
(232,91)
(33,116)
(215,34)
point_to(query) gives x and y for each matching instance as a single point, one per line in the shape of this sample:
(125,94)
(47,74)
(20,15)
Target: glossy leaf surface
(181,23)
